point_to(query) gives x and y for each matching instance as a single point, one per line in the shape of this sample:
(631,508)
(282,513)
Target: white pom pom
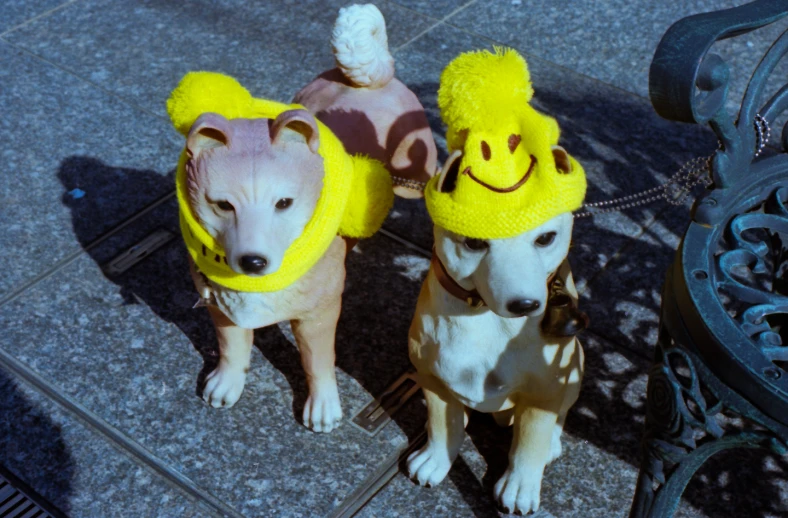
(361,46)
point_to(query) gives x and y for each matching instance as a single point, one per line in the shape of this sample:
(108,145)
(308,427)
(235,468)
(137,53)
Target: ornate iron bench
(724,316)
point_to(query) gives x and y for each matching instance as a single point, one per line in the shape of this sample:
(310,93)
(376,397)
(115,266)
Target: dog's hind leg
(224,385)
(445,433)
(315,336)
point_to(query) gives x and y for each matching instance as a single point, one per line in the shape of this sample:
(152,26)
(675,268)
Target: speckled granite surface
(438,9)
(100,40)
(134,350)
(74,468)
(88,146)
(64,178)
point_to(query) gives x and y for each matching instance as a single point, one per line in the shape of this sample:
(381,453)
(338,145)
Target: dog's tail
(361,46)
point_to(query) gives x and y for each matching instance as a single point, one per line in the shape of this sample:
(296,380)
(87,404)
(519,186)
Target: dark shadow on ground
(32,446)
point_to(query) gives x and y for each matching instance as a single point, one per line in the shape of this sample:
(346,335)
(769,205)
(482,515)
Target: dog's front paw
(323,412)
(223,386)
(518,491)
(429,465)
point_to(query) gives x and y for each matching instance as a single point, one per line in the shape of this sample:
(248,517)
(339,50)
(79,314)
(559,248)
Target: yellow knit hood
(506,181)
(364,180)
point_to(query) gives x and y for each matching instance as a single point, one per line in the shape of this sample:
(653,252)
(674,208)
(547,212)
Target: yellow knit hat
(364,180)
(507,180)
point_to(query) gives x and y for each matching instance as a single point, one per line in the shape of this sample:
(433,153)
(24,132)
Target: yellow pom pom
(481,88)
(371,197)
(203,92)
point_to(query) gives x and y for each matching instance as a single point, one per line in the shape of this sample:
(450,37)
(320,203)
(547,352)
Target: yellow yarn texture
(508,182)
(356,196)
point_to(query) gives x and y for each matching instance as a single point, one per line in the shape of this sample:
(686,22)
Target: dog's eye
(545,239)
(284,203)
(476,244)
(225,205)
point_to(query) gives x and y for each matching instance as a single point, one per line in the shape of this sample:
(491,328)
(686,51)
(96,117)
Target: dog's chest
(483,361)
(254,310)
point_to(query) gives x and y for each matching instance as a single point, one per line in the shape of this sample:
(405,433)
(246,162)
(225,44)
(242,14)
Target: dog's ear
(455,139)
(296,126)
(562,163)
(210,130)
(447,181)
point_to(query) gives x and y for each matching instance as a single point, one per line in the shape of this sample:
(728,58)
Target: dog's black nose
(522,307)
(253,263)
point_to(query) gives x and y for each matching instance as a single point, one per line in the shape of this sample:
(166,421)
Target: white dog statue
(503,225)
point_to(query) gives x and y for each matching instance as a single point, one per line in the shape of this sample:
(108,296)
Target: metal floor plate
(374,416)
(19,501)
(138,252)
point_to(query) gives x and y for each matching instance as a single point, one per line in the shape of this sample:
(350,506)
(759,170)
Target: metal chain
(408,183)
(675,191)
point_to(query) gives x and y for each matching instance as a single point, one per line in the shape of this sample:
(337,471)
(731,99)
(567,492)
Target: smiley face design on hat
(506,173)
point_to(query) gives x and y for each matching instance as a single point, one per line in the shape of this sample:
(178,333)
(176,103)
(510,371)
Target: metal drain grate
(138,252)
(375,415)
(18,501)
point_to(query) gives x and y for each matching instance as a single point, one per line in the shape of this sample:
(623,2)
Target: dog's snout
(522,307)
(253,263)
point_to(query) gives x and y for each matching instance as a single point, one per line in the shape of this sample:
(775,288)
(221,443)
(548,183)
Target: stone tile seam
(21,289)
(438,23)
(72,73)
(38,17)
(412,11)
(405,242)
(373,485)
(136,452)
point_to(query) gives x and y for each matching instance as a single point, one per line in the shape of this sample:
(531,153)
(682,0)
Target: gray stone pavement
(99,410)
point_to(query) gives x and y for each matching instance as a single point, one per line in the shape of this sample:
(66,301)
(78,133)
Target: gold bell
(562,317)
